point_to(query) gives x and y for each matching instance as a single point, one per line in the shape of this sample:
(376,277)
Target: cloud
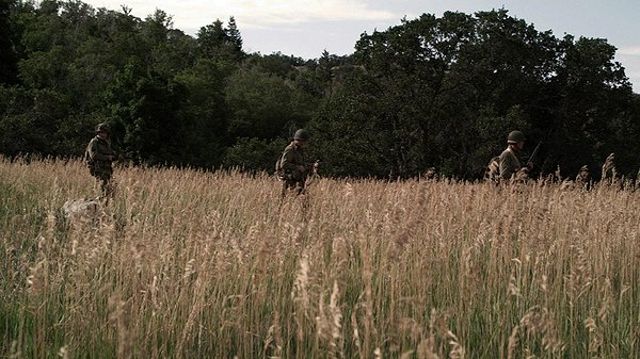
(292,11)
(255,13)
(629,51)
(630,59)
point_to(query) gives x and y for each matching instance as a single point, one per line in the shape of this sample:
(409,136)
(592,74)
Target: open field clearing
(186,264)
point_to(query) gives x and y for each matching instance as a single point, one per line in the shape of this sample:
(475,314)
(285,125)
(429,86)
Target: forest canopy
(429,92)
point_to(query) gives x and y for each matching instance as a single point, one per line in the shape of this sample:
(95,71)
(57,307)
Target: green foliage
(431,91)
(144,108)
(204,113)
(39,121)
(254,154)
(8,56)
(261,104)
(445,91)
(219,43)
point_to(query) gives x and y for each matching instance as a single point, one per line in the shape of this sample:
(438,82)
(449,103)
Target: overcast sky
(306,27)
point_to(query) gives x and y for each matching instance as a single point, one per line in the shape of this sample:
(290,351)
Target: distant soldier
(99,157)
(431,174)
(292,167)
(509,163)
(583,177)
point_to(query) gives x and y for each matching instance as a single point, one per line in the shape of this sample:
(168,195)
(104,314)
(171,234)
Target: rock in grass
(81,208)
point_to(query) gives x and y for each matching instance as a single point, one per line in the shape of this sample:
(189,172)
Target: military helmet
(301,135)
(103,127)
(515,137)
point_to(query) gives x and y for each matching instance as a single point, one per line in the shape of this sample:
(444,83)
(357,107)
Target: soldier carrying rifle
(292,168)
(509,163)
(99,157)
(507,166)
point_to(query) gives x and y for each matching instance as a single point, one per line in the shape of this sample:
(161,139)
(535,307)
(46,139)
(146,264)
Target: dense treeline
(433,91)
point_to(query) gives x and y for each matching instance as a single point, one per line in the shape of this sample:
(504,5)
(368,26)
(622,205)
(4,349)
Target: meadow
(188,264)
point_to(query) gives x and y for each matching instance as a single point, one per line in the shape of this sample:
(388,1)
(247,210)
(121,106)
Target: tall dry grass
(187,264)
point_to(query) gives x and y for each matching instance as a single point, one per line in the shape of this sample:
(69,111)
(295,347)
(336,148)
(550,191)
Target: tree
(254,154)
(219,43)
(233,36)
(260,105)
(32,121)
(204,113)
(144,109)
(445,91)
(8,56)
(431,91)
(594,101)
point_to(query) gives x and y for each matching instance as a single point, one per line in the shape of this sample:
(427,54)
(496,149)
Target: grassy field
(187,264)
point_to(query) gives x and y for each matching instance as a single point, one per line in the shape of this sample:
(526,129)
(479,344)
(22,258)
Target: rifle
(311,177)
(535,152)
(533,156)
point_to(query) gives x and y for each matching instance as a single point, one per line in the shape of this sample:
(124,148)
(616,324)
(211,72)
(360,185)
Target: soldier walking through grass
(509,162)
(292,167)
(99,157)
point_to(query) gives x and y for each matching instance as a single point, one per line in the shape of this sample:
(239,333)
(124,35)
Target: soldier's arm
(95,154)
(506,167)
(288,163)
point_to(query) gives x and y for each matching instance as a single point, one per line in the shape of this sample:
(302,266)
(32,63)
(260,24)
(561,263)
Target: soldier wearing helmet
(292,168)
(509,162)
(99,157)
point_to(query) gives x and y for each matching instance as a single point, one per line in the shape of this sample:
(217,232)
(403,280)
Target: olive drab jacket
(509,164)
(97,156)
(292,158)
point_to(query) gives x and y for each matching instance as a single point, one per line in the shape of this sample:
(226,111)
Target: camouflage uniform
(98,157)
(293,177)
(509,163)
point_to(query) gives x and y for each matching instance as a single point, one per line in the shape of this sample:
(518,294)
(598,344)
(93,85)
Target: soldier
(292,167)
(509,162)
(99,157)
(583,176)
(431,174)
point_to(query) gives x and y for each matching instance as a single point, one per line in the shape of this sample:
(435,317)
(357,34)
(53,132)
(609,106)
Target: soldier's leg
(110,188)
(97,188)
(299,187)
(304,196)
(111,184)
(286,186)
(106,186)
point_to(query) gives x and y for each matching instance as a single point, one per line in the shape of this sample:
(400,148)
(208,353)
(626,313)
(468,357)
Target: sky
(307,27)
